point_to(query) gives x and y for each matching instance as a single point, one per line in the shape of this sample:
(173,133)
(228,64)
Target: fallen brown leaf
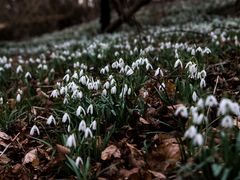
(126,173)
(4,136)
(16,168)
(4,159)
(62,149)
(31,156)
(110,151)
(157,174)
(144,121)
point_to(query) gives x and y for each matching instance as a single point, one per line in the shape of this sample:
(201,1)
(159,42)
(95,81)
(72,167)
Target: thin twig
(9,144)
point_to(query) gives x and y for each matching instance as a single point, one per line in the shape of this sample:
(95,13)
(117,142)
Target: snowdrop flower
(51,120)
(69,128)
(129,72)
(194,96)
(83,80)
(80,110)
(227,122)
(129,91)
(225,106)
(19,69)
(33,130)
(193,70)
(202,74)
(162,87)
(55,93)
(202,83)
(79,161)
(182,110)
(93,125)
(211,101)
(1,101)
(198,119)
(188,64)
(198,139)
(191,132)
(82,126)
(18,98)
(199,49)
(66,78)
(65,100)
(71,141)
(106,85)
(65,118)
(177,63)
(148,66)
(113,90)
(88,133)
(28,75)
(206,50)
(200,103)
(90,109)
(193,52)
(104,92)
(158,71)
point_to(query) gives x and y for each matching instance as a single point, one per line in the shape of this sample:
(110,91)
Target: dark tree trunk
(237,5)
(126,15)
(105,16)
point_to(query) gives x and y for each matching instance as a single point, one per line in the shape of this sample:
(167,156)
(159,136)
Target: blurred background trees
(20,19)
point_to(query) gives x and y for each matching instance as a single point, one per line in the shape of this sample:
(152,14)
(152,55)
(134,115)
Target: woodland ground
(79,105)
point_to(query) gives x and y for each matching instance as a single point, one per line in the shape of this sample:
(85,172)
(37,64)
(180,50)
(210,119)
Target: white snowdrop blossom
(18,98)
(106,85)
(158,71)
(71,141)
(129,72)
(83,80)
(78,161)
(194,96)
(226,106)
(227,122)
(51,120)
(80,110)
(66,78)
(104,92)
(191,132)
(198,119)
(33,130)
(19,69)
(82,126)
(113,90)
(202,74)
(55,93)
(211,101)
(148,66)
(202,83)
(1,100)
(88,133)
(200,103)
(198,139)
(65,118)
(182,111)
(178,63)
(28,75)
(93,125)
(90,109)
(69,128)
(206,50)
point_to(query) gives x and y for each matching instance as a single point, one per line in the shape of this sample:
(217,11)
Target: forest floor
(160,102)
